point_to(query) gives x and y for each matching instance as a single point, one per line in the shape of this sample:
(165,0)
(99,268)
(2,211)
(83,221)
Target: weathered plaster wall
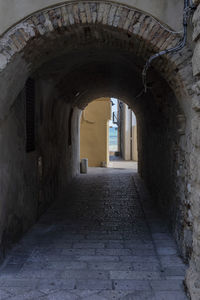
(94,132)
(29,182)
(58,141)
(128,134)
(134,143)
(18,178)
(168,11)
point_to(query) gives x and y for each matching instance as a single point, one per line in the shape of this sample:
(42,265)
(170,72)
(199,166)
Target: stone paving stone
(11,269)
(92,284)
(133,285)
(146,266)
(85,274)
(94,258)
(174,271)
(89,245)
(95,297)
(137,258)
(167,285)
(139,295)
(29,295)
(115,244)
(120,266)
(78,251)
(71,265)
(165,243)
(170,295)
(137,275)
(143,252)
(85,293)
(126,294)
(96,245)
(4,294)
(18,282)
(166,250)
(113,252)
(171,261)
(61,295)
(161,236)
(55,284)
(139,245)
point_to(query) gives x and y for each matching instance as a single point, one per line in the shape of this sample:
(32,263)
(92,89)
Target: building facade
(94,132)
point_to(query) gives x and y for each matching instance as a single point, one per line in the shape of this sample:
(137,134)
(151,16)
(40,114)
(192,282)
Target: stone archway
(63,29)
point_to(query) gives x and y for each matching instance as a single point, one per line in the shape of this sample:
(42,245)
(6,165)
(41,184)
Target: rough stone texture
(19,200)
(99,242)
(193,274)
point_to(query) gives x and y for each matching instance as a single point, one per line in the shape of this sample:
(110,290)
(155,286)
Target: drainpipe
(187,10)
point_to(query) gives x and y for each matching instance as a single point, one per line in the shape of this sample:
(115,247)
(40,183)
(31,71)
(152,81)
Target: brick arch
(147,35)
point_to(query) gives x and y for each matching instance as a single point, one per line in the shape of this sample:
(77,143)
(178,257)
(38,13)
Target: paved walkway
(123,165)
(104,241)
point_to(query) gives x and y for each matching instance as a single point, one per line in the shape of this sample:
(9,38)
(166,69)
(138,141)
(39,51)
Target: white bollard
(84,165)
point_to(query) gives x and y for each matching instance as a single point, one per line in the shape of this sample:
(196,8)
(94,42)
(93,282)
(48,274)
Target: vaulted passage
(52,65)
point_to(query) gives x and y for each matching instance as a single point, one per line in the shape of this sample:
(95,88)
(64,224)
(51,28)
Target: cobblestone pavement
(103,241)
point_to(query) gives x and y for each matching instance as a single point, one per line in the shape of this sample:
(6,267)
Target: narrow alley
(104,240)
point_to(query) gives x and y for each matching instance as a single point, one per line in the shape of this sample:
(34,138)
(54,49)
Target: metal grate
(30,115)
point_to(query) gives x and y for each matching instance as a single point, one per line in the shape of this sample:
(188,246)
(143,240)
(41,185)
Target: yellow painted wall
(94,132)
(134,144)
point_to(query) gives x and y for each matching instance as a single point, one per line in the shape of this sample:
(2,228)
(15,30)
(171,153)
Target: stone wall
(163,160)
(30,182)
(18,176)
(58,142)
(193,274)
(69,48)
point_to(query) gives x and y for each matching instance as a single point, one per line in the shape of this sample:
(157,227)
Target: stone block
(88,245)
(166,250)
(120,266)
(137,275)
(195,59)
(170,295)
(196,23)
(167,285)
(113,252)
(84,274)
(92,284)
(78,251)
(97,258)
(132,285)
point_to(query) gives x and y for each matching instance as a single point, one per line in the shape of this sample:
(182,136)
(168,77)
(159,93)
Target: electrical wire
(188,7)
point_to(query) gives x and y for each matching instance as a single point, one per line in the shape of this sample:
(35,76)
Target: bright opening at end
(108,135)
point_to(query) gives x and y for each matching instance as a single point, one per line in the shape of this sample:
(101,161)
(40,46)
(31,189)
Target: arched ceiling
(75,38)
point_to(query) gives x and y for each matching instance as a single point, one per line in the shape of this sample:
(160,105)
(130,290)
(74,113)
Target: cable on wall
(188,8)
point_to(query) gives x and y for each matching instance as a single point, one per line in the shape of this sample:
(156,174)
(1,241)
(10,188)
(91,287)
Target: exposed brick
(120,17)
(100,12)
(70,14)
(88,13)
(111,14)
(107,8)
